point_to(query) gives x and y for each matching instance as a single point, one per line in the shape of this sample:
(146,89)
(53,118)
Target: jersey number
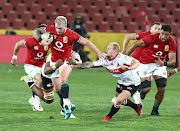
(58,46)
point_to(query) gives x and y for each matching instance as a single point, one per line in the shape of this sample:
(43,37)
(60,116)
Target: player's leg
(146,86)
(161,85)
(114,108)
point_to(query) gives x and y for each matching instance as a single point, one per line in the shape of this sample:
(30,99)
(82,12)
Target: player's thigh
(31,70)
(57,84)
(145,70)
(64,72)
(160,72)
(125,94)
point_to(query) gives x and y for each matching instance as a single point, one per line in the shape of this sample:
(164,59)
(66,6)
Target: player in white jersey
(120,66)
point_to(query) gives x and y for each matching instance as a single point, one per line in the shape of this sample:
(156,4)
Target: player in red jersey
(153,59)
(35,59)
(61,49)
(155,28)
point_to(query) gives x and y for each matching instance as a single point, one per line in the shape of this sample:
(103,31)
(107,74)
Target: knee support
(161,82)
(146,84)
(49,95)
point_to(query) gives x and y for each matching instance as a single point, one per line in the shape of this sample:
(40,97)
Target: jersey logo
(45,48)
(65,39)
(155,46)
(36,48)
(55,36)
(166,48)
(118,64)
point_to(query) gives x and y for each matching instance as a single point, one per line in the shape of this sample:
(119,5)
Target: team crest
(65,39)
(166,48)
(36,48)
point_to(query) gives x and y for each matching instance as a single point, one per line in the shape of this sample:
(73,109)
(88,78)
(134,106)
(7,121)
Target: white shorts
(31,70)
(56,73)
(146,70)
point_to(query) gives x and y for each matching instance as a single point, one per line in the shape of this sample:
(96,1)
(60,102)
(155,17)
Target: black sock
(33,93)
(113,111)
(139,89)
(65,90)
(131,104)
(61,100)
(142,94)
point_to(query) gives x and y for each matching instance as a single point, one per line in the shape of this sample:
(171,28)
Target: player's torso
(35,53)
(154,51)
(61,45)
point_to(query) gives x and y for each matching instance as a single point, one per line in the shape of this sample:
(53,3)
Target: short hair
(61,20)
(166,28)
(115,46)
(156,23)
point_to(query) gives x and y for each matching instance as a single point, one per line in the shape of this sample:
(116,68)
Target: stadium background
(106,20)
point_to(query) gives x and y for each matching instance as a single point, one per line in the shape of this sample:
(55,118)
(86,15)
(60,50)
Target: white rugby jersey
(126,78)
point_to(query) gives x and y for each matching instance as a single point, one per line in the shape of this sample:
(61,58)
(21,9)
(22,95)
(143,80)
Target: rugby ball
(47,36)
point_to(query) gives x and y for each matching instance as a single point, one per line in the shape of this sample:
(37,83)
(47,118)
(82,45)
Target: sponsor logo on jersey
(166,48)
(155,46)
(36,48)
(65,39)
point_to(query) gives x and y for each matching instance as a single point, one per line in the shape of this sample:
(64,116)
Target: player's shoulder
(30,39)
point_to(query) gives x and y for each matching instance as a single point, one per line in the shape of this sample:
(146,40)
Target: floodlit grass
(91,90)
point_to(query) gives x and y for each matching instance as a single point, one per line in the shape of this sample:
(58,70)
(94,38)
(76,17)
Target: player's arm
(84,65)
(134,65)
(171,73)
(16,50)
(37,34)
(170,62)
(92,47)
(126,42)
(136,44)
(50,69)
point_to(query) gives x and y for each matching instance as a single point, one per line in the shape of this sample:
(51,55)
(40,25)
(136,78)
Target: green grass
(91,90)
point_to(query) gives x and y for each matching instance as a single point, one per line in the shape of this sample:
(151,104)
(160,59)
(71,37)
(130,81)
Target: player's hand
(45,42)
(159,62)
(102,55)
(171,73)
(14,62)
(123,52)
(126,68)
(58,63)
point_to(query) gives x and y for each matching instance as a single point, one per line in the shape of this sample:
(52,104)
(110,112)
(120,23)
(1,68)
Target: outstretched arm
(138,43)
(126,42)
(16,50)
(92,47)
(134,65)
(84,65)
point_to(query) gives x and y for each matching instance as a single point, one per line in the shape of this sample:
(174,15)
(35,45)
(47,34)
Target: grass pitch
(91,90)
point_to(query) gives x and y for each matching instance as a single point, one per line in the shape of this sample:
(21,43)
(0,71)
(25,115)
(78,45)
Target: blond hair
(115,46)
(61,20)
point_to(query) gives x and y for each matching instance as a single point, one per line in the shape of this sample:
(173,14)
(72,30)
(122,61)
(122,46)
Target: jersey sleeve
(147,40)
(27,42)
(140,35)
(76,36)
(126,59)
(98,63)
(172,46)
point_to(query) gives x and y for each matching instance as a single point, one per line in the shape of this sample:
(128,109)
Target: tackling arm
(138,43)
(92,47)
(126,42)
(84,65)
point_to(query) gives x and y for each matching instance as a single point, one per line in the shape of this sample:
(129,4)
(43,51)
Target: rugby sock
(65,90)
(155,107)
(61,100)
(113,111)
(142,94)
(131,104)
(33,93)
(139,89)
